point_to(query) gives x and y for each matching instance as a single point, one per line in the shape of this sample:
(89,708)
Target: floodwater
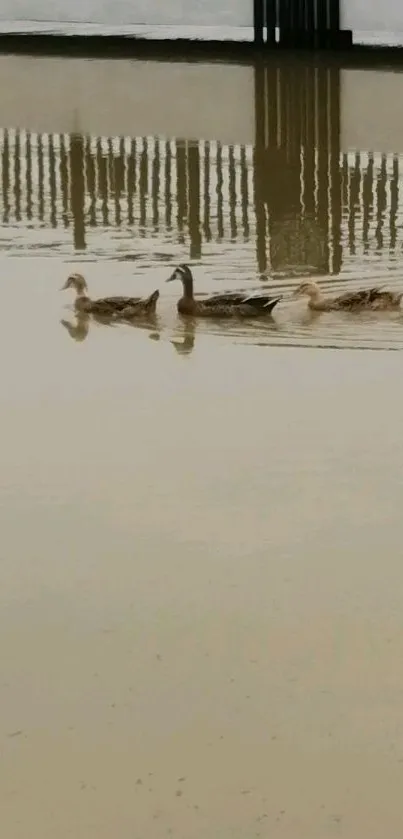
(201,585)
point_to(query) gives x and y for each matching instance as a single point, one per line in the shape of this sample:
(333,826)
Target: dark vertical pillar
(258,21)
(193,162)
(155,184)
(367,200)
(41,176)
(52,181)
(322,115)
(394,203)
(334,168)
(168,188)
(381,203)
(259,168)
(244,194)
(28,153)
(143,187)
(5,176)
(64,180)
(17,175)
(206,193)
(77,189)
(91,182)
(220,200)
(181,187)
(232,194)
(271,21)
(131,182)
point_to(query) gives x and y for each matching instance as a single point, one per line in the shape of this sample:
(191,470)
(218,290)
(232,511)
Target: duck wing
(235,299)
(356,299)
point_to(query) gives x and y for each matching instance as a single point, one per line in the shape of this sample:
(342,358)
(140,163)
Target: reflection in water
(291,205)
(79,327)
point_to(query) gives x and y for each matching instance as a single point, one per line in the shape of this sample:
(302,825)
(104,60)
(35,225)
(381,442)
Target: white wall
(372,15)
(132,12)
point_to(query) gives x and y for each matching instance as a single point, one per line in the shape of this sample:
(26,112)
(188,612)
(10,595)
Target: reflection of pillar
(193,162)
(155,183)
(334,167)
(41,175)
(168,187)
(206,193)
(244,194)
(143,186)
(381,202)
(52,182)
(64,180)
(131,182)
(353,200)
(232,193)
(91,182)
(259,167)
(220,199)
(5,175)
(77,189)
(394,202)
(367,200)
(181,186)
(28,170)
(322,134)
(17,175)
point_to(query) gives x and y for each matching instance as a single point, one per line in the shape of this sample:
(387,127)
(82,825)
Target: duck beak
(66,285)
(172,277)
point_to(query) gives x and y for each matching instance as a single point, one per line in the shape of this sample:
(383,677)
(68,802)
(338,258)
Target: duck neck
(188,287)
(315,298)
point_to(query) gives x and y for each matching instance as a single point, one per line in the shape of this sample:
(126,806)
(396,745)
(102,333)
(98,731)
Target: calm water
(200,576)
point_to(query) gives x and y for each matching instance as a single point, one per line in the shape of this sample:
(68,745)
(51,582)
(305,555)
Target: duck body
(367,299)
(123,308)
(232,304)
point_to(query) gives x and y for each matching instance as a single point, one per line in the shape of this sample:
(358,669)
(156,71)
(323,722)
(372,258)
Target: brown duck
(123,308)
(232,304)
(375,299)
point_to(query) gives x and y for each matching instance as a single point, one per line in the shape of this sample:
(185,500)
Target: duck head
(77,282)
(307,289)
(183,273)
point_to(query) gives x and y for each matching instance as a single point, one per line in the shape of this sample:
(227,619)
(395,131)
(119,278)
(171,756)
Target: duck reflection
(184,341)
(79,327)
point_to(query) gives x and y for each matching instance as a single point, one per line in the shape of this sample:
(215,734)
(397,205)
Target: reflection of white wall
(371,116)
(128,98)
(372,15)
(131,12)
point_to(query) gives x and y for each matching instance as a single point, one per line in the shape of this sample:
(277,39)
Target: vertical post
(131,182)
(334,167)
(155,183)
(168,193)
(271,21)
(29,175)
(258,21)
(206,193)
(52,182)
(193,162)
(77,189)
(232,193)
(17,175)
(259,167)
(64,180)
(322,111)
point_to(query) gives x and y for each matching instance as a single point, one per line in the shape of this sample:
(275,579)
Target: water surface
(200,576)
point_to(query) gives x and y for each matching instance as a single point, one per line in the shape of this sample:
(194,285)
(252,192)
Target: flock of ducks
(230,304)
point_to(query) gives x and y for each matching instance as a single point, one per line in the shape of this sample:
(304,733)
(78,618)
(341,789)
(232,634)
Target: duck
(231,304)
(123,308)
(375,299)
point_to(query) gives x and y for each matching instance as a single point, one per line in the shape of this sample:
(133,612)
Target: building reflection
(294,202)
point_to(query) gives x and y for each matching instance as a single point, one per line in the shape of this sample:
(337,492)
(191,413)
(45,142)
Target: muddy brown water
(201,529)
